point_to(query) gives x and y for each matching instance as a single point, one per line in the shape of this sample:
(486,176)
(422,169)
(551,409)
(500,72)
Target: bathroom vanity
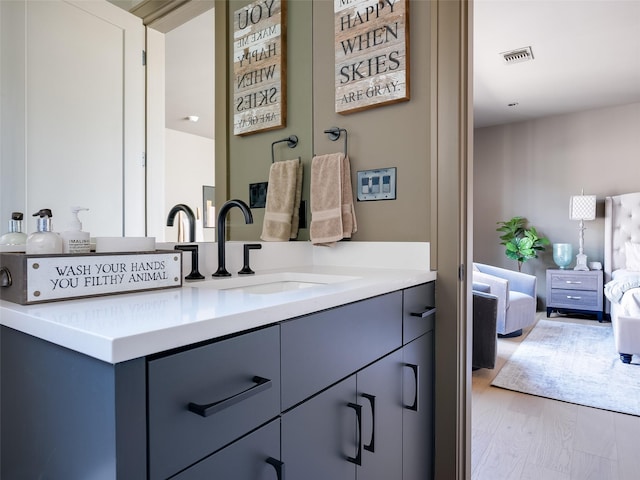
(325,380)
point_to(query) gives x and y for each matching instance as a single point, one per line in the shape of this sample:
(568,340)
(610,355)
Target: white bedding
(624,293)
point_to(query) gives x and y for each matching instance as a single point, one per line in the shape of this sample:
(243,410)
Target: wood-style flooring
(517,436)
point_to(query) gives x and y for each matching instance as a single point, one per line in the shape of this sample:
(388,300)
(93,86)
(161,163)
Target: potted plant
(521,243)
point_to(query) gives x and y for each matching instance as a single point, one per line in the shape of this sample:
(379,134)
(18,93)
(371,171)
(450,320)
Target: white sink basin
(272,282)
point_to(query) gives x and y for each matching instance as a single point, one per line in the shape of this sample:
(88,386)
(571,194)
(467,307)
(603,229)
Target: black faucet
(221,227)
(192,219)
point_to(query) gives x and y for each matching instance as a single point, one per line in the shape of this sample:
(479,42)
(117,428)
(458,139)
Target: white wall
(189,166)
(532,168)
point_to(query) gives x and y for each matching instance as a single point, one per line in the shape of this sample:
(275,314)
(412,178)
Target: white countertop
(123,327)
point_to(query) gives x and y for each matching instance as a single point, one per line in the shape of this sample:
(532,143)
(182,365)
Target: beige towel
(332,212)
(283,201)
(295,218)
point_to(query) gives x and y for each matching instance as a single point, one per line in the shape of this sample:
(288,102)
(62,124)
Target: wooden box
(28,279)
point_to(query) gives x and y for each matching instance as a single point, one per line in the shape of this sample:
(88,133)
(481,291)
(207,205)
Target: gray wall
(388,136)
(532,168)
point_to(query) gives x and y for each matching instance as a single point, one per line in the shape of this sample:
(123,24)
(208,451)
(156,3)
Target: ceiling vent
(517,56)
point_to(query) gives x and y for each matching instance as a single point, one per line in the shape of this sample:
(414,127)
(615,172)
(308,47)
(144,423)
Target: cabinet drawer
(238,379)
(581,299)
(573,281)
(418,311)
(254,457)
(321,349)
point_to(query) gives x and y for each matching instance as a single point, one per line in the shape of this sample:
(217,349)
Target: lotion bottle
(74,240)
(44,240)
(14,236)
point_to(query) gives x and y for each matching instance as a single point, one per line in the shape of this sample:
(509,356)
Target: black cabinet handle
(261,384)
(358,458)
(425,313)
(278,466)
(372,443)
(413,367)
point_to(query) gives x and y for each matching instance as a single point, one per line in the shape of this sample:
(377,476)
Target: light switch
(377,184)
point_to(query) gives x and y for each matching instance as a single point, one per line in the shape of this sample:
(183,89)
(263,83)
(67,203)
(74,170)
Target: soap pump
(14,236)
(74,240)
(44,240)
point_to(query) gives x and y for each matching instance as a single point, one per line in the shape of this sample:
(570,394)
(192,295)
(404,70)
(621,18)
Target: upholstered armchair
(485,312)
(516,294)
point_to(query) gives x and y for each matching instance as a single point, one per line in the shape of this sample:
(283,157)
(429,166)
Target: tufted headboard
(621,224)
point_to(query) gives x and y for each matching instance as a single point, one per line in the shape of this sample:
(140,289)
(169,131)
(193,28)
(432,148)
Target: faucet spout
(181,207)
(221,231)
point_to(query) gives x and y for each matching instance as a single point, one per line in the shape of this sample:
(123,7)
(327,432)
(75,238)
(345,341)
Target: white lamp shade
(582,207)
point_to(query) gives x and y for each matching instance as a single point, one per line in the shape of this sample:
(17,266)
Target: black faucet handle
(246,269)
(195,274)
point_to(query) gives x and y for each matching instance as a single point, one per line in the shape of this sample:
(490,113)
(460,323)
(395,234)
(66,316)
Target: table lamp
(582,207)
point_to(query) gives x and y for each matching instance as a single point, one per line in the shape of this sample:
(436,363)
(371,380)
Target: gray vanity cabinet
(295,400)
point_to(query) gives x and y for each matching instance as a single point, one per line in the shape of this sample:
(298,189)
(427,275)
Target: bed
(622,271)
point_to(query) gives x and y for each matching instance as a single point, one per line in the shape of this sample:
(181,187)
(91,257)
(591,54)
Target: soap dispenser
(14,236)
(44,240)
(74,240)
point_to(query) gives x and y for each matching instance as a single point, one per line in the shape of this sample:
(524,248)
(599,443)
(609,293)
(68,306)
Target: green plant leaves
(521,243)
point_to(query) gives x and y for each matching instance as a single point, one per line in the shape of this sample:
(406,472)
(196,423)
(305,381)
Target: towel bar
(292,142)
(334,134)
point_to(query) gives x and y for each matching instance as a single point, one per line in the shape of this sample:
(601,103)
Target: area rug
(573,363)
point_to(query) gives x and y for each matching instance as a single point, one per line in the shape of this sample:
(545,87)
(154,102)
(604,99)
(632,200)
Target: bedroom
(574,125)
(532,168)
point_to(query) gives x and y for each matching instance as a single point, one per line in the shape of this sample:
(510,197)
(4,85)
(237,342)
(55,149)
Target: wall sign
(259,53)
(37,278)
(371,53)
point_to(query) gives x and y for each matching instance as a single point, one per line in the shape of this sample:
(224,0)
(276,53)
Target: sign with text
(371,53)
(57,277)
(259,53)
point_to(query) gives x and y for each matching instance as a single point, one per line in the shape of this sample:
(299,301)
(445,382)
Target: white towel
(332,212)
(283,201)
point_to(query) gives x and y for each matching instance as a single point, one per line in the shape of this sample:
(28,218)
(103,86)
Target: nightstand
(575,290)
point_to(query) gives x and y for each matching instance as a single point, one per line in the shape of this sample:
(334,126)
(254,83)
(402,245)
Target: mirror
(63,113)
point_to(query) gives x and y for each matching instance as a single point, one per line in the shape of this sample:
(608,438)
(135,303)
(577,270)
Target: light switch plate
(377,184)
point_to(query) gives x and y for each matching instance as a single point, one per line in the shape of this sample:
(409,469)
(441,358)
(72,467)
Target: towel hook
(292,142)
(334,134)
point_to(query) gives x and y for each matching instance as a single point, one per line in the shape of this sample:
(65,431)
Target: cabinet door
(417,414)
(254,457)
(319,435)
(380,394)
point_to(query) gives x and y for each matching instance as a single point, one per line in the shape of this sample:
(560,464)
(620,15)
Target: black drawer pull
(358,458)
(261,384)
(414,405)
(278,466)
(372,443)
(424,314)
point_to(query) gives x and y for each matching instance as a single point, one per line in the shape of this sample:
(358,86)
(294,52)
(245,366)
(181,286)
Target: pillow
(632,254)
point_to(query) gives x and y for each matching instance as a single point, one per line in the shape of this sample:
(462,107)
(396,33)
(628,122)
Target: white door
(76,79)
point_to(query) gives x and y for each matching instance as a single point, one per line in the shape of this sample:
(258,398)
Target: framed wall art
(259,67)
(371,53)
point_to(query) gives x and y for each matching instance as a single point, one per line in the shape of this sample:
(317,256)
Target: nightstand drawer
(573,281)
(582,299)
